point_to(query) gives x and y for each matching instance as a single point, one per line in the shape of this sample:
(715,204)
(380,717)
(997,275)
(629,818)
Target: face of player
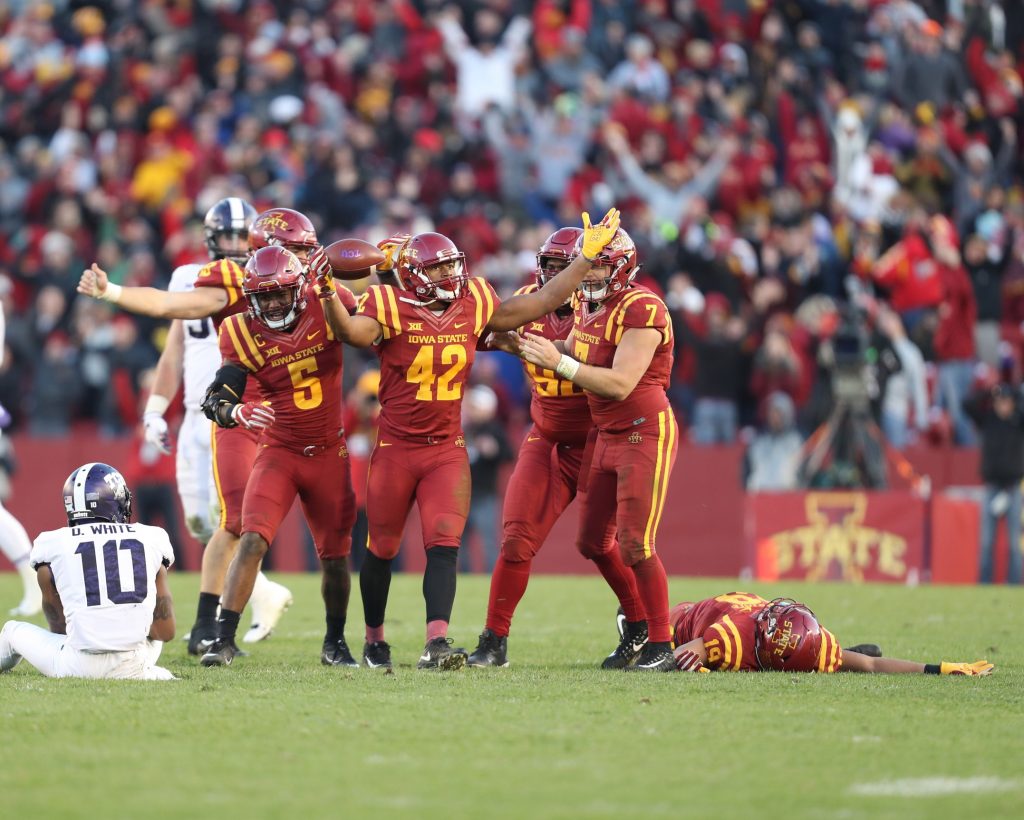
(448,273)
(594,286)
(301,251)
(276,305)
(550,268)
(233,245)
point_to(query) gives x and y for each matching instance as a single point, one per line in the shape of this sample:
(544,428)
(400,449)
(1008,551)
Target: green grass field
(278,735)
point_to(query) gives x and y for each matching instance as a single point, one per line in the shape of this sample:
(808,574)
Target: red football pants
(625,489)
(542,485)
(233,454)
(323,484)
(435,476)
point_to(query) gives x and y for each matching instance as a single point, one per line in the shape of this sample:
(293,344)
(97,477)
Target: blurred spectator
(488,450)
(999,414)
(772,460)
(52,400)
(904,404)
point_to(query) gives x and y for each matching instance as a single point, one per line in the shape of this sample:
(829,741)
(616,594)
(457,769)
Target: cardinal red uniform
(425,361)
(638,437)
(727,625)
(303,452)
(233,450)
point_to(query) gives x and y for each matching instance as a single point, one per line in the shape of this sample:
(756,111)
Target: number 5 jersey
(106,579)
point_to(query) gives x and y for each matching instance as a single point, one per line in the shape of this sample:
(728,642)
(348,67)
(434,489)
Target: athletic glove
(595,237)
(253,415)
(974,670)
(322,272)
(391,246)
(155,428)
(687,661)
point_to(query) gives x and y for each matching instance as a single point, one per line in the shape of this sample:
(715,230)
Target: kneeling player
(98,628)
(741,632)
(297,361)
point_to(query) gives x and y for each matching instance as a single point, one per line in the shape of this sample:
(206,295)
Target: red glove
(320,269)
(687,661)
(253,415)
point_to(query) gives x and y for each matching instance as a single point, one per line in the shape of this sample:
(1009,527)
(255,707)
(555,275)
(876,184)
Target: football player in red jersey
(426,331)
(292,352)
(547,472)
(218,294)
(620,352)
(741,632)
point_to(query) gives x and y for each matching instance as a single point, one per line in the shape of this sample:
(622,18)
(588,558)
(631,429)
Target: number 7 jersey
(425,357)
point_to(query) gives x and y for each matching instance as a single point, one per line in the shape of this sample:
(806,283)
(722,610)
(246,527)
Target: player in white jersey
(104,586)
(14,541)
(191,353)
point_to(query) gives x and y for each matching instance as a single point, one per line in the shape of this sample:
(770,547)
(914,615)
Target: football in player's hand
(353,258)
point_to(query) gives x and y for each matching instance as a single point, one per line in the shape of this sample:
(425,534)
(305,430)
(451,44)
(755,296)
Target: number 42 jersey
(106,579)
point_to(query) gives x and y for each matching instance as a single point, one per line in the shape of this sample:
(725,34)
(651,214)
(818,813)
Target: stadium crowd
(785,169)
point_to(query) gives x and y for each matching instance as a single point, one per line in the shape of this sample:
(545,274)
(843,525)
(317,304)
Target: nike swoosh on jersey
(533,438)
(312,335)
(384,444)
(457,325)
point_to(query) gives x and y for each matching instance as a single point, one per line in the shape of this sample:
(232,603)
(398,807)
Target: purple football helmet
(97,492)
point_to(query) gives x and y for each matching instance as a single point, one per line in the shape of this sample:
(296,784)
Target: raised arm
(632,358)
(855,662)
(518,310)
(192,304)
(163,625)
(53,608)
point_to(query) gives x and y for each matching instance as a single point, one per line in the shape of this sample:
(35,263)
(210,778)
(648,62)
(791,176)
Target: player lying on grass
(741,632)
(104,586)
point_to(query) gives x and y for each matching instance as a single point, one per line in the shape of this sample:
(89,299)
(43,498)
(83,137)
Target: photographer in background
(999,414)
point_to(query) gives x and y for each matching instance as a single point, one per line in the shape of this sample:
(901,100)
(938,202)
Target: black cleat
(656,657)
(377,655)
(337,654)
(438,654)
(221,653)
(492,650)
(202,636)
(632,639)
(872,650)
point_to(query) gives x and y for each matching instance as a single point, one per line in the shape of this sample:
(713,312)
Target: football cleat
(655,657)
(221,653)
(491,650)
(872,650)
(438,654)
(632,639)
(202,636)
(267,609)
(31,605)
(377,655)
(336,653)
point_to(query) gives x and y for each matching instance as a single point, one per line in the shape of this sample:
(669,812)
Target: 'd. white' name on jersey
(106,578)
(202,356)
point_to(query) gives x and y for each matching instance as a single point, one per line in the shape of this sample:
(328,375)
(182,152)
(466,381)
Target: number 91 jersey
(298,371)
(425,357)
(106,579)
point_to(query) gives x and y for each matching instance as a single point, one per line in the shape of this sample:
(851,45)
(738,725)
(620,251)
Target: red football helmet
(285,227)
(423,252)
(556,253)
(620,254)
(787,637)
(275,285)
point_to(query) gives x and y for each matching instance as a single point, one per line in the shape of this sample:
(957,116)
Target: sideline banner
(840,536)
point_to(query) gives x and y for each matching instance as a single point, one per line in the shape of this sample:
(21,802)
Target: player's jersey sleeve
(238,345)
(223,274)
(42,550)
(830,656)
(381,303)
(639,310)
(158,542)
(724,644)
(486,302)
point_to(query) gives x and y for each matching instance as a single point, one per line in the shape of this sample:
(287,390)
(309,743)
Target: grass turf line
(278,735)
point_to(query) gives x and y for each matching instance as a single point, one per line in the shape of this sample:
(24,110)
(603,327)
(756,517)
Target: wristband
(567,367)
(933,668)
(156,404)
(112,293)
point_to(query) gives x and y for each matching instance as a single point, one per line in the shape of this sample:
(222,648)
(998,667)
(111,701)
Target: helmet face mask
(620,258)
(555,255)
(274,284)
(97,492)
(231,217)
(787,637)
(432,268)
